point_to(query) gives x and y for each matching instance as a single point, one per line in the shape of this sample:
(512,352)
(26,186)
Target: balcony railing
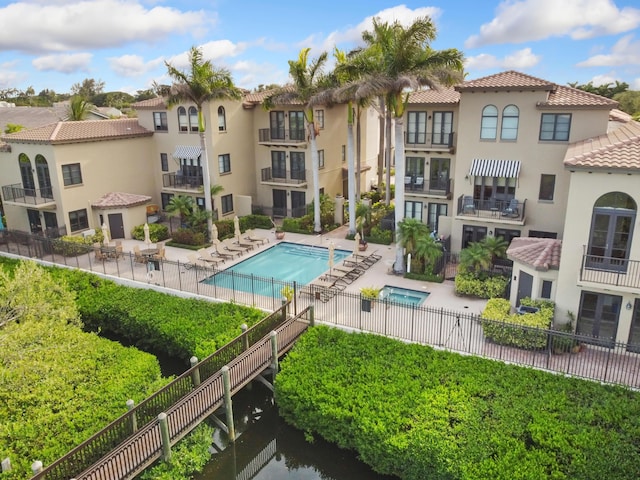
(512,210)
(276,175)
(610,271)
(281,212)
(32,196)
(420,184)
(175,180)
(428,140)
(282,135)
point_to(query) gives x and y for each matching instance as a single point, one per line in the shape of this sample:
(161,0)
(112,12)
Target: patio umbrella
(214,232)
(331,250)
(357,245)
(105,234)
(236,226)
(147,239)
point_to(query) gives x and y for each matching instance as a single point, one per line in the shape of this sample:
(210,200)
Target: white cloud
(634,84)
(80,25)
(353,35)
(216,51)
(604,79)
(528,20)
(247,74)
(519,60)
(9,78)
(623,52)
(66,63)
(133,65)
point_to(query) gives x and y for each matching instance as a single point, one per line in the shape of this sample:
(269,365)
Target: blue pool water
(403,295)
(285,261)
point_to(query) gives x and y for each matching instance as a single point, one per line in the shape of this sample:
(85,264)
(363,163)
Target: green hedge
(505,328)
(157,232)
(71,246)
(418,413)
(491,287)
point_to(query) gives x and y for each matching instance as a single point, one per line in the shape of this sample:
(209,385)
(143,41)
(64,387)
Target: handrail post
(6,465)
(36,467)
(164,435)
(274,353)
(195,375)
(228,405)
(312,316)
(134,418)
(245,338)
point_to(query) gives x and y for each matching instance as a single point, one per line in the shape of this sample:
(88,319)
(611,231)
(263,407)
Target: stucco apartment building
(508,155)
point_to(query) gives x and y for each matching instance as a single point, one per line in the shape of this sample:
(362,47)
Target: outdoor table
(149,253)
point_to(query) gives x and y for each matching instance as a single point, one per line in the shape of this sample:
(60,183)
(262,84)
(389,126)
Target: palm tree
(308,81)
(202,83)
(78,108)
(428,252)
(475,258)
(215,190)
(405,61)
(181,206)
(409,231)
(496,246)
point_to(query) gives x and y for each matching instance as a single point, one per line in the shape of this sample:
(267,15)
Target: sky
(53,44)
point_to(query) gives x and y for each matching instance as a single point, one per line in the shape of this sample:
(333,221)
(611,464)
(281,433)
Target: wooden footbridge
(147,431)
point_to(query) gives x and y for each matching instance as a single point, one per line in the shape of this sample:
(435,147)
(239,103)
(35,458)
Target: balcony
(610,271)
(428,141)
(16,193)
(182,182)
(512,210)
(283,177)
(282,137)
(419,185)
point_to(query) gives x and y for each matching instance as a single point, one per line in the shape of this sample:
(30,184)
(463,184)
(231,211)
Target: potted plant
(362,246)
(279,233)
(368,296)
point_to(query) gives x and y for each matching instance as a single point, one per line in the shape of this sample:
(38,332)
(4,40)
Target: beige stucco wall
(131,217)
(585,189)
(538,277)
(536,157)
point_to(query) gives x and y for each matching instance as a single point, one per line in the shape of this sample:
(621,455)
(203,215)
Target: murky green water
(268,449)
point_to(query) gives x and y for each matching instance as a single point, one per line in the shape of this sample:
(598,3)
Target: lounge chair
(252,237)
(205,254)
(193,260)
(244,243)
(338,275)
(234,247)
(323,290)
(223,252)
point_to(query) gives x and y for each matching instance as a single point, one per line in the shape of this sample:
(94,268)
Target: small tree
(181,206)
(475,259)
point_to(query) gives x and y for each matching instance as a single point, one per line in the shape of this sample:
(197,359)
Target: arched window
(182,119)
(489,125)
(510,116)
(612,221)
(193,119)
(26,173)
(222,121)
(44,179)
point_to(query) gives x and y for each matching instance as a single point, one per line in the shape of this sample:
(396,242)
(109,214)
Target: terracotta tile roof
(151,103)
(572,97)
(509,80)
(82,131)
(446,95)
(619,149)
(616,115)
(119,200)
(559,96)
(541,253)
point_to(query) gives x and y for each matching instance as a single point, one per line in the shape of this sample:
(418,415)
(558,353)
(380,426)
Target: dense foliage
(157,232)
(506,328)
(418,413)
(58,384)
(486,287)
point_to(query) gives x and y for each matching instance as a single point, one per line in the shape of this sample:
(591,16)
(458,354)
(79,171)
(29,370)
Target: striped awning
(481,167)
(187,152)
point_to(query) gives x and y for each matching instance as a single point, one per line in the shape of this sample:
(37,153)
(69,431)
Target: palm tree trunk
(387,157)
(398,266)
(317,227)
(358,156)
(381,148)
(351,180)
(207,185)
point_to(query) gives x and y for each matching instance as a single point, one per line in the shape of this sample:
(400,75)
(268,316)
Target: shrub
(255,221)
(490,287)
(380,236)
(528,331)
(71,246)
(303,224)
(186,236)
(424,277)
(157,232)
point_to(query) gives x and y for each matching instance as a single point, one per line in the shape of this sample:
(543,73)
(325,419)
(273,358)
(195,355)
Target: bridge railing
(102,442)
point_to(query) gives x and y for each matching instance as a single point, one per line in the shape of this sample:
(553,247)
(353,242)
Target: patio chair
(323,290)
(419,185)
(467,205)
(244,243)
(224,253)
(205,254)
(252,237)
(99,254)
(234,247)
(193,260)
(138,258)
(160,255)
(339,275)
(407,182)
(512,209)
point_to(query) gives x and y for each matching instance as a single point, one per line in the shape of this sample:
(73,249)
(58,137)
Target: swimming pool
(403,295)
(285,261)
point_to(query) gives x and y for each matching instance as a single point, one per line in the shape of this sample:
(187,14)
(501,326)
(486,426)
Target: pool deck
(379,275)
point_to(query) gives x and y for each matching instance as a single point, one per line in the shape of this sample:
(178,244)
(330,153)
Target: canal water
(266,448)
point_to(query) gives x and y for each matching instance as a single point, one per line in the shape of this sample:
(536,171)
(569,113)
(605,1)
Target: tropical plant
(215,190)
(401,59)
(475,258)
(496,246)
(202,83)
(198,220)
(13,128)
(308,81)
(428,252)
(181,206)
(363,218)
(370,292)
(410,230)
(78,108)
